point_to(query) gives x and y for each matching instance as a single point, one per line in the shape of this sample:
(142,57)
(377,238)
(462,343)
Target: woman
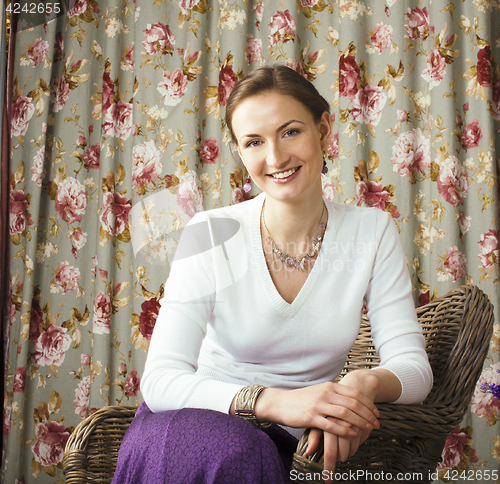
(258,323)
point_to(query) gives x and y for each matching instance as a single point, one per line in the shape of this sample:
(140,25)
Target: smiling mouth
(285,174)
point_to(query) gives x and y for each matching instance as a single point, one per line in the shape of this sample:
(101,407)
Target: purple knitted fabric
(197,446)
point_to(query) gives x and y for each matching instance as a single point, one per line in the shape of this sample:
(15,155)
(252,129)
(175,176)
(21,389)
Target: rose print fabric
(117,139)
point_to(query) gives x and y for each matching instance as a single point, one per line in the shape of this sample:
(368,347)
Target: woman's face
(281,145)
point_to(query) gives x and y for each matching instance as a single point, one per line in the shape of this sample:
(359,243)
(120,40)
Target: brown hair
(281,79)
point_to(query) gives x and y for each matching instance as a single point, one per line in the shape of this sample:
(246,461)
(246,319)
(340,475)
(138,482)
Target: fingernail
(369,426)
(353,433)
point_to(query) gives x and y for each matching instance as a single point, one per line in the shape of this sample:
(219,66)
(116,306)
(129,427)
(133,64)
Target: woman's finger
(330,455)
(313,441)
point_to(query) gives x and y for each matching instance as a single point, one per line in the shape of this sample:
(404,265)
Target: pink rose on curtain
(59,47)
(495,100)
(417,23)
(71,200)
(108,91)
(484,66)
(489,248)
(333,147)
(128,59)
(36,320)
(209,151)
(411,153)
(297,66)
(464,223)
(37,170)
(146,164)
(453,181)
(253,49)
(22,112)
(368,104)
(455,263)
(20,379)
(85,359)
(67,277)
(227,80)
(50,441)
(435,70)
(118,120)
(382,36)
(239,195)
(122,369)
(59,94)
(281,28)
(77,7)
(51,346)
(37,51)
(471,135)
(187,5)
(328,188)
(18,216)
(114,216)
(190,193)
(401,115)
(370,193)
(82,397)
(485,402)
(78,238)
(173,87)
(149,314)
(158,38)
(132,384)
(259,11)
(102,314)
(7,420)
(453,450)
(92,156)
(349,77)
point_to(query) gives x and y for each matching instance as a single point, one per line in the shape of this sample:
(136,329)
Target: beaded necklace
(287,259)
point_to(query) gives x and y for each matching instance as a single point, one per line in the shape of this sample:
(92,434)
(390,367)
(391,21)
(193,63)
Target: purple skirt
(198,446)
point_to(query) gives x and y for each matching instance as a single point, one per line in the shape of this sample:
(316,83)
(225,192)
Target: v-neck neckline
(284,307)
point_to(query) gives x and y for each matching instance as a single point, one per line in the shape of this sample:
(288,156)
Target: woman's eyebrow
(283,126)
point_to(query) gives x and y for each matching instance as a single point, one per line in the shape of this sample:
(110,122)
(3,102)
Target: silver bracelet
(244,406)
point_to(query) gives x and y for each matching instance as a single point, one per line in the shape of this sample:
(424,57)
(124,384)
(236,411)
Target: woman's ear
(325,129)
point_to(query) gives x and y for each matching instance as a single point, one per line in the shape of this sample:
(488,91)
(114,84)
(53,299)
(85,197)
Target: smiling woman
(280,309)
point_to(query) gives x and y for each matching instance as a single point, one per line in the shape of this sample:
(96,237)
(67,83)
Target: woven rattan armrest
(457,328)
(92,449)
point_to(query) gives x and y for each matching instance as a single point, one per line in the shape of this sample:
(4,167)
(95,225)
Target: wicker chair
(457,328)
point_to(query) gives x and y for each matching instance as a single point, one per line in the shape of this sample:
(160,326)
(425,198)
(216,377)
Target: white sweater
(223,325)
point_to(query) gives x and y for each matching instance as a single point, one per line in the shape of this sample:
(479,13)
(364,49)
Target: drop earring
(325,168)
(247,187)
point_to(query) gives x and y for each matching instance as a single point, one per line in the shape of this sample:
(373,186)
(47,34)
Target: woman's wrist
(378,384)
(267,405)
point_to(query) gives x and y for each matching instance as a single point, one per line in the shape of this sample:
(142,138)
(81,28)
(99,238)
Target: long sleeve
(397,335)
(169,379)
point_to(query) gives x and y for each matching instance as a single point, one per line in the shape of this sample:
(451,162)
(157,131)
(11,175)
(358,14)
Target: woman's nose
(276,156)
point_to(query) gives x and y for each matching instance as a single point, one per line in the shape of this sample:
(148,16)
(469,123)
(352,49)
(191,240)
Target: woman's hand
(320,406)
(335,448)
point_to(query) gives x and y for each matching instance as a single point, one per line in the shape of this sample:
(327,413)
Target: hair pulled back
(280,79)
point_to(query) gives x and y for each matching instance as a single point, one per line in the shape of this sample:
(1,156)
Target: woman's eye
(291,132)
(253,143)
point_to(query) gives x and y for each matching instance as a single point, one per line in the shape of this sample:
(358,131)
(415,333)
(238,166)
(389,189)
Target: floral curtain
(117,138)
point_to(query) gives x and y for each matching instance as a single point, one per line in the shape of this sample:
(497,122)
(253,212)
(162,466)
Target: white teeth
(285,174)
